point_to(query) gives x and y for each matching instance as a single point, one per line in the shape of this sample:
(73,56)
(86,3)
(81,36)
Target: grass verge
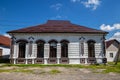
(54,71)
(16,70)
(110,67)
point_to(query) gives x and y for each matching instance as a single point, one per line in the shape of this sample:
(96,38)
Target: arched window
(53,48)
(64,48)
(40,48)
(22,48)
(91,48)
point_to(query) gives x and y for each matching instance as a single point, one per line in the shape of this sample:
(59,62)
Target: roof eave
(64,32)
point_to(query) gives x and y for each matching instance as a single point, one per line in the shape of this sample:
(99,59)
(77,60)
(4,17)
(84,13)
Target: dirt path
(64,74)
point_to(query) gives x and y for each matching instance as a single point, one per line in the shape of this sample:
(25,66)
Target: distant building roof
(109,42)
(5,41)
(58,26)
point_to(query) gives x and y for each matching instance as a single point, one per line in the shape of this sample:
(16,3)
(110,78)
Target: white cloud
(116,36)
(91,4)
(75,1)
(110,28)
(106,27)
(7,35)
(56,6)
(117,26)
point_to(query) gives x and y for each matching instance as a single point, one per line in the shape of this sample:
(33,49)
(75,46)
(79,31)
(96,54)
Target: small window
(111,55)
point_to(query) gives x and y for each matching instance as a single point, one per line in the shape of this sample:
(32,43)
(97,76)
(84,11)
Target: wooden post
(104,49)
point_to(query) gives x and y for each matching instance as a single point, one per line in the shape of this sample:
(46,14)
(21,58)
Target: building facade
(112,47)
(4,47)
(57,42)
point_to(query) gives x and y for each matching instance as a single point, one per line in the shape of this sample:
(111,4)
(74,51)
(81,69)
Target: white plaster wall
(46,51)
(98,50)
(111,49)
(85,51)
(34,51)
(59,36)
(73,50)
(110,59)
(6,52)
(74,61)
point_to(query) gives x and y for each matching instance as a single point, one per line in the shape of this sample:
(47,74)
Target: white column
(58,53)
(26,53)
(35,50)
(46,53)
(86,52)
(29,50)
(26,61)
(86,61)
(15,52)
(14,61)
(33,61)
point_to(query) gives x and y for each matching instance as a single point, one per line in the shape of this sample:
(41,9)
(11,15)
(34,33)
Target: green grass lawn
(109,67)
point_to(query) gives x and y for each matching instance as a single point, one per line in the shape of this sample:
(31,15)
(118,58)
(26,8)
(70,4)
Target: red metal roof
(57,26)
(108,43)
(5,41)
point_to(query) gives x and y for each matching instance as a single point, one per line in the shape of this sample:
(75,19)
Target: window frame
(1,52)
(91,48)
(53,48)
(40,48)
(64,48)
(20,42)
(111,55)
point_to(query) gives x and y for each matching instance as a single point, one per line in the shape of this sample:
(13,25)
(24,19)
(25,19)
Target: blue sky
(98,14)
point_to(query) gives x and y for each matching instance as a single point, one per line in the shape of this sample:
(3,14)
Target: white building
(4,47)
(57,42)
(112,47)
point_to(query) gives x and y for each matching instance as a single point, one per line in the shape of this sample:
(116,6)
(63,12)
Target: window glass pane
(53,49)
(40,49)
(91,49)
(1,52)
(22,48)
(111,55)
(64,49)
